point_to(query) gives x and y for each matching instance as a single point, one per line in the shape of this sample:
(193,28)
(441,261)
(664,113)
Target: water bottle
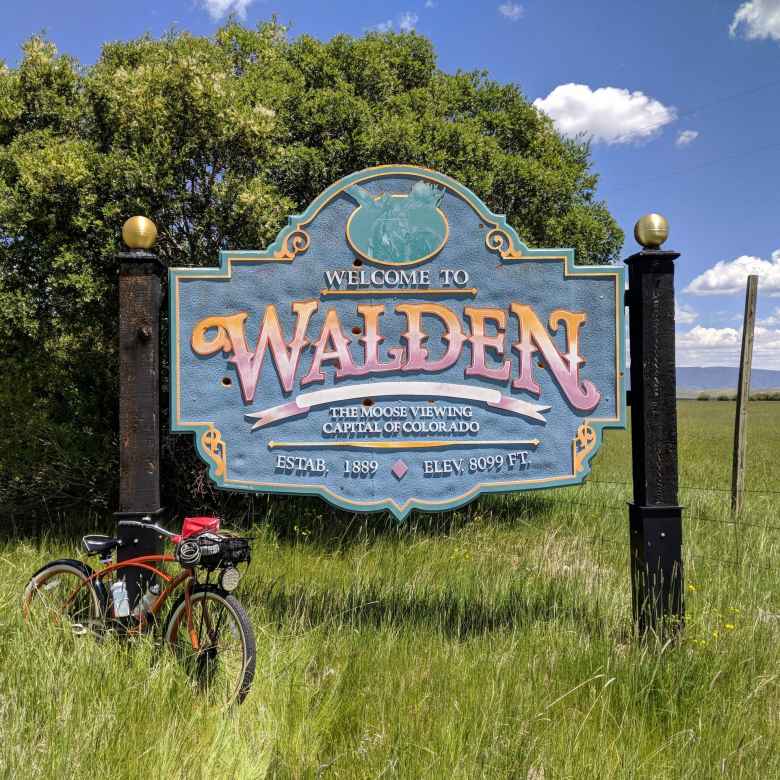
(147,601)
(119,599)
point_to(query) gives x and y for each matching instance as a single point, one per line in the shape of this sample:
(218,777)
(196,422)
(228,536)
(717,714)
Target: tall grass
(491,642)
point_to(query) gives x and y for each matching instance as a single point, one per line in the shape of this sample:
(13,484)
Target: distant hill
(724,378)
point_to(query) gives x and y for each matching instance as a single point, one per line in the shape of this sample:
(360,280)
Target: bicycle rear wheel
(222,664)
(62,594)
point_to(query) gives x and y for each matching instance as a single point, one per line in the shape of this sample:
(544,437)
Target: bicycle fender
(86,570)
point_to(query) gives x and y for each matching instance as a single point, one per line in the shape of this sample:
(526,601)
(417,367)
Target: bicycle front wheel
(217,647)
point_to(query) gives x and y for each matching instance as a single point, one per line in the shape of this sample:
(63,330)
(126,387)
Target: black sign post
(139,394)
(655,516)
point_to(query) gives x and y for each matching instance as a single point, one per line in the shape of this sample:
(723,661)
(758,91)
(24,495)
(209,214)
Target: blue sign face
(397,347)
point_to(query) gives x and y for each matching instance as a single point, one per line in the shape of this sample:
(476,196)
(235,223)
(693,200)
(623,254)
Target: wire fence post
(743,394)
(139,395)
(655,518)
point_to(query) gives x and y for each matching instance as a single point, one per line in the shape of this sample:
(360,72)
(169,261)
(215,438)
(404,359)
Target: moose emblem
(398,228)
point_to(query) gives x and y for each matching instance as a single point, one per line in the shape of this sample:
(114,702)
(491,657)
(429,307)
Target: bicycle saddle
(96,543)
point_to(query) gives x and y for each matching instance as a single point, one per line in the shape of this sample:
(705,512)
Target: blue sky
(681,99)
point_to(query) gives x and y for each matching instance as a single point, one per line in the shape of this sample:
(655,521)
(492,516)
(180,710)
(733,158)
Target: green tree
(217,140)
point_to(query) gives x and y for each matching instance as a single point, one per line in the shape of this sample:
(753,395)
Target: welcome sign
(397,347)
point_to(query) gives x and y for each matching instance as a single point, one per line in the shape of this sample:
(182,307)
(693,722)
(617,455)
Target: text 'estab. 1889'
(397,347)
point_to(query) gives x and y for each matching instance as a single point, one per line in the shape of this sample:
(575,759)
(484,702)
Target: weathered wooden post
(743,395)
(139,394)
(655,516)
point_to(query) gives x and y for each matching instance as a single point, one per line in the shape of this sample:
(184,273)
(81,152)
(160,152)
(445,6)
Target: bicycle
(206,627)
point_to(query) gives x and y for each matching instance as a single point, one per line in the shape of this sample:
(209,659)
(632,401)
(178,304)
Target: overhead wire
(658,124)
(698,109)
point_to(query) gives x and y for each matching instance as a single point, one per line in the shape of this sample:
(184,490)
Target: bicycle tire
(177,614)
(42,580)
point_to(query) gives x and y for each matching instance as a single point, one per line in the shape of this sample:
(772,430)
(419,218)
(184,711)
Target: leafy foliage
(217,140)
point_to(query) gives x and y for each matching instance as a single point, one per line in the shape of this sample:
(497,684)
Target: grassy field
(491,642)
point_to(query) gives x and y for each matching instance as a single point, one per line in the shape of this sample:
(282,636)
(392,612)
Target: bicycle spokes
(61,600)
(214,654)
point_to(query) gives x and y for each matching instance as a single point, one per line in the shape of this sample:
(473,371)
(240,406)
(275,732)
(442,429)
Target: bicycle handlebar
(151,526)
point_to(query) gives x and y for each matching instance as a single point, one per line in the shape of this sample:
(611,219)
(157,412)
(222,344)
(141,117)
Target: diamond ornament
(399,469)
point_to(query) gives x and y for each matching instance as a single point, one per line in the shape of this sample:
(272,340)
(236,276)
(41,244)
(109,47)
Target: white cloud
(382,27)
(430,4)
(709,338)
(219,8)
(721,346)
(773,320)
(730,276)
(757,19)
(606,114)
(408,21)
(512,11)
(685,315)
(686,137)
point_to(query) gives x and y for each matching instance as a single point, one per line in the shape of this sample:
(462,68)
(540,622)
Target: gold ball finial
(651,231)
(139,233)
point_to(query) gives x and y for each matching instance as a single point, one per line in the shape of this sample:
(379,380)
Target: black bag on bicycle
(213,551)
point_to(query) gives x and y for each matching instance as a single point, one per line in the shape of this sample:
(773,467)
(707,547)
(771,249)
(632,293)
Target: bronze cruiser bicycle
(206,626)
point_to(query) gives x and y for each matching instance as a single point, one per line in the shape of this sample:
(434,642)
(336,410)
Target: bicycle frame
(187,576)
